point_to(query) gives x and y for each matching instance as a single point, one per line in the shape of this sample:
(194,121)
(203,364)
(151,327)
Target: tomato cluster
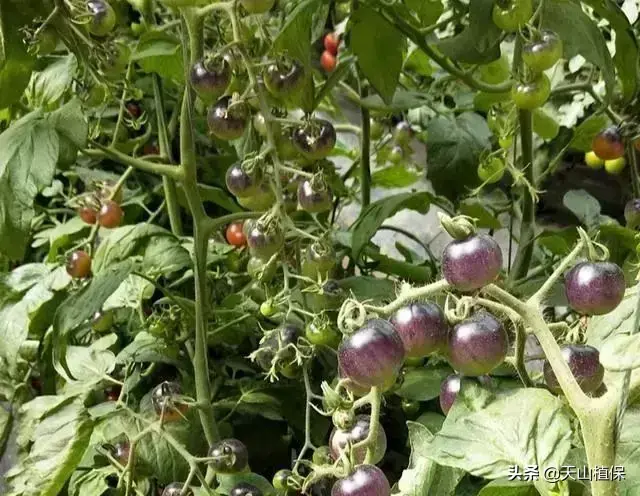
(328,59)
(102,206)
(607,149)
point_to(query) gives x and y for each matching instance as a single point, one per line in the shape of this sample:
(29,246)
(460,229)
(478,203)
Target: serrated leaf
(88,364)
(148,348)
(423,384)
(46,87)
(396,176)
(368,288)
(71,123)
(484,218)
(427,11)
(379,48)
(621,353)
(628,452)
(584,206)
(619,322)
(161,53)
(372,217)
(164,255)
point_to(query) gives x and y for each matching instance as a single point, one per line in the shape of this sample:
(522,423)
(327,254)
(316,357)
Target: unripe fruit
(593,161)
(632,213)
(584,363)
(478,345)
(594,288)
(615,166)
(79,264)
(422,327)
(339,440)
(110,215)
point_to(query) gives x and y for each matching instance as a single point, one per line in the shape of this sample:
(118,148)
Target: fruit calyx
(459,228)
(596,252)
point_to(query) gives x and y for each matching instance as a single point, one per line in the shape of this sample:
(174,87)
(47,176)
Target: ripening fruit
(340,439)
(110,215)
(263,241)
(365,480)
(584,363)
(449,390)
(478,345)
(593,161)
(175,489)
(373,355)
(165,397)
(331,43)
(615,166)
(103,17)
(594,288)
(230,456)
(608,144)
(245,489)
(471,263)
(88,215)
(423,329)
(544,52)
(79,264)
(328,61)
(235,234)
(632,213)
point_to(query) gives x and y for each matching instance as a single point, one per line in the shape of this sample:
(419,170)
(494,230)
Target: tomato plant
(439,285)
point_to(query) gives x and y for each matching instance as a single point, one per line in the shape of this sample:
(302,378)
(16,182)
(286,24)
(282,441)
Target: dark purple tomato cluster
(594,288)
(471,263)
(584,363)
(314,196)
(365,480)
(341,439)
(228,456)
(211,76)
(315,139)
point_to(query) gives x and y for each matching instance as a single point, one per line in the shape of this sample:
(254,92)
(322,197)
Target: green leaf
(584,206)
(132,293)
(628,452)
(368,288)
(161,53)
(427,11)
(71,123)
(419,62)
(479,43)
(396,176)
(495,72)
(454,146)
(214,195)
(402,100)
(484,218)
(165,255)
(6,419)
(585,132)
(228,481)
(486,436)
(148,348)
(559,242)
(626,57)
(580,35)
(88,364)
(424,476)
(503,487)
(91,483)
(59,236)
(28,156)
(544,125)
(602,328)
(372,217)
(342,70)
(59,442)
(621,353)
(423,384)
(22,278)
(46,87)
(295,40)
(379,48)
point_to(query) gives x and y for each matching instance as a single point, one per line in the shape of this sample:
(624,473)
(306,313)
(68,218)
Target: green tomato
(492,170)
(117,61)
(529,96)
(410,408)
(514,16)
(376,129)
(321,332)
(259,202)
(543,53)
(268,309)
(102,321)
(103,17)
(319,261)
(260,271)
(505,142)
(257,6)
(396,155)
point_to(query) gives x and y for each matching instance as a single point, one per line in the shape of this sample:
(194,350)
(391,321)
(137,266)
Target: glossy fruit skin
(402,133)
(235,234)
(328,61)
(478,345)
(88,215)
(471,263)
(164,397)
(260,124)
(259,271)
(102,321)
(449,390)
(593,161)
(232,456)
(423,329)
(543,54)
(373,355)
(615,166)
(322,334)
(584,363)
(411,408)
(175,489)
(491,171)
(79,264)
(396,154)
(358,432)
(531,95)
(315,140)
(284,79)
(365,480)
(331,43)
(103,17)
(240,182)
(210,77)
(608,144)
(228,121)
(110,215)
(314,199)
(280,480)
(514,17)
(632,213)
(376,129)
(260,201)
(257,6)
(262,243)
(245,489)
(594,288)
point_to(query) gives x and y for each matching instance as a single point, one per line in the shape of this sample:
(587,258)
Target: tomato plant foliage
(319,247)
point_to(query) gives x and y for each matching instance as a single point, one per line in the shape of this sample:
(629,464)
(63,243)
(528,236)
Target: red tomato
(328,61)
(331,43)
(235,234)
